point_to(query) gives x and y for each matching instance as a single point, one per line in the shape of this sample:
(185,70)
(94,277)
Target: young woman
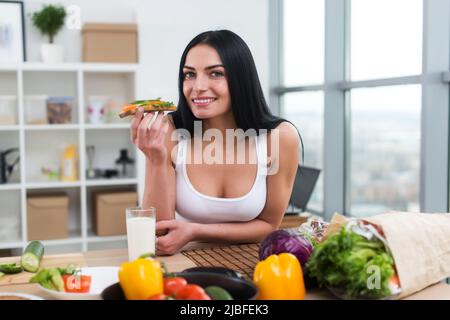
(198,193)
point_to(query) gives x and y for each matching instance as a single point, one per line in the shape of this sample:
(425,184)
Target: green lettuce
(349,263)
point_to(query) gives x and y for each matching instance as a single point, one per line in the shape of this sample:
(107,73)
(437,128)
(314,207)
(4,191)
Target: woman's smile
(203,101)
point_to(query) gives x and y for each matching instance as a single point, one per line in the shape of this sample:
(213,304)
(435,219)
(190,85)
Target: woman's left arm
(285,160)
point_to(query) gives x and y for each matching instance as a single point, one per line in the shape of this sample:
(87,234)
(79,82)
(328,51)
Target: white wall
(166,27)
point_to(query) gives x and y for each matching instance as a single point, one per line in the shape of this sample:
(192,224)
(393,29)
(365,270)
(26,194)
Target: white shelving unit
(41,145)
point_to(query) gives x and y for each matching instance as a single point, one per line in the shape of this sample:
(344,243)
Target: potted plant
(49,21)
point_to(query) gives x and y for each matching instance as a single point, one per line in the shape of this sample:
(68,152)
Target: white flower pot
(52,53)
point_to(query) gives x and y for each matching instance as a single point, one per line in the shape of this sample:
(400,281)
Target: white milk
(141,236)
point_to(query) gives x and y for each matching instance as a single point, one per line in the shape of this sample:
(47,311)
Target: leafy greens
(348,262)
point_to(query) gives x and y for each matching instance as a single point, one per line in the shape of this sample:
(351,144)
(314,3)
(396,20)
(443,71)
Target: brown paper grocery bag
(336,223)
(420,246)
(419,243)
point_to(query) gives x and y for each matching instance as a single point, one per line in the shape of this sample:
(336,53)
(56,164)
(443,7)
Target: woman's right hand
(151,141)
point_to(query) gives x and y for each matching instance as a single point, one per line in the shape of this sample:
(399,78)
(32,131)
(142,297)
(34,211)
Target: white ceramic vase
(52,53)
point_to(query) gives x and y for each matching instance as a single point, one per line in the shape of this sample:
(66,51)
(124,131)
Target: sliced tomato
(173,284)
(77,283)
(191,292)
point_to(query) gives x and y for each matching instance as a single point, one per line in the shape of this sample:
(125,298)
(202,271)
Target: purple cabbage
(280,241)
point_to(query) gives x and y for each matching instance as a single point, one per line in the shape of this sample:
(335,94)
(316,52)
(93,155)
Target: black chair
(305,181)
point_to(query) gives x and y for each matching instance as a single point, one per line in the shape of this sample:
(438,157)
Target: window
(385,120)
(386,38)
(303,46)
(385,149)
(303,66)
(367,84)
(305,110)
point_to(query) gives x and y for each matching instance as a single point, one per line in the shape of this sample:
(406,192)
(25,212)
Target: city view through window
(384,122)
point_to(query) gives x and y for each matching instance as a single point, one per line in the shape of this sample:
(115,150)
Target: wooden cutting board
(49,261)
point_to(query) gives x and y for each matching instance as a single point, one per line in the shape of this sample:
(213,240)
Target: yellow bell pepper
(141,279)
(279,277)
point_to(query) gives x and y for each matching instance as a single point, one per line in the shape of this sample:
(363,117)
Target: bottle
(69,164)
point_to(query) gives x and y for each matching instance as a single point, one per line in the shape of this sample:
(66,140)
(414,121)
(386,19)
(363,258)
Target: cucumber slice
(32,255)
(56,279)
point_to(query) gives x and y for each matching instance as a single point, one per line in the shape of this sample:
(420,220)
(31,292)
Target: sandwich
(148,105)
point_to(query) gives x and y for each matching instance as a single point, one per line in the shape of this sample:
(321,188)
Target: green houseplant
(49,20)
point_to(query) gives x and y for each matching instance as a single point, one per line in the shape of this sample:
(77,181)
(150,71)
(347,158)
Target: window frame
(435,115)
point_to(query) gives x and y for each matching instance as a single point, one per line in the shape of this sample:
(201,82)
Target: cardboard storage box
(47,216)
(104,42)
(109,211)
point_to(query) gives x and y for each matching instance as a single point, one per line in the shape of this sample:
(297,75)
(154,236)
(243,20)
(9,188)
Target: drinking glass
(141,231)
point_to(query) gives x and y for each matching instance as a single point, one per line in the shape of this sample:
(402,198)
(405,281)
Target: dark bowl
(238,288)
(219,270)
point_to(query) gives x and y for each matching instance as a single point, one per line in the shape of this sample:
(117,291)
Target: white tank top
(191,205)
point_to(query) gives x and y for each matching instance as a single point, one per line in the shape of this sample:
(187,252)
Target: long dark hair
(248,105)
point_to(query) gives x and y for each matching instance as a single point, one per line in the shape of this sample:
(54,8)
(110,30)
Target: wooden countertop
(176,263)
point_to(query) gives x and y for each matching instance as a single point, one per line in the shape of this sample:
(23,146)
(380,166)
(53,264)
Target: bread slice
(148,105)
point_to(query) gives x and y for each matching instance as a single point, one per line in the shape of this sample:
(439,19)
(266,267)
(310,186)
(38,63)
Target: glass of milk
(141,233)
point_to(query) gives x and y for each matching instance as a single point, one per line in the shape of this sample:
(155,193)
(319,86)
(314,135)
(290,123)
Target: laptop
(305,181)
